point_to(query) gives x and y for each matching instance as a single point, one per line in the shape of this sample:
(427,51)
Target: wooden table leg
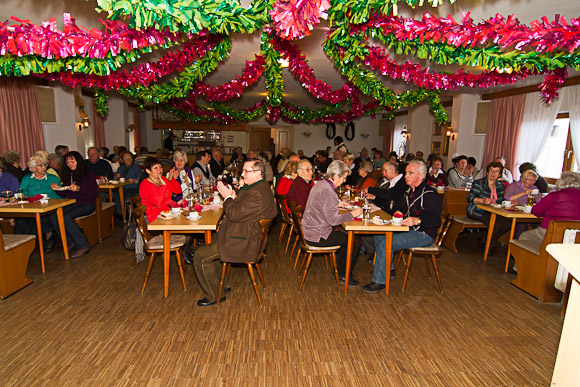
(512,232)
(349,246)
(166,255)
(110,194)
(40,241)
(207,235)
(489,232)
(388,253)
(122,198)
(60,216)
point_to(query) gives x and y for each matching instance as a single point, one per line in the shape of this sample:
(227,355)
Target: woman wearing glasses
(518,192)
(156,190)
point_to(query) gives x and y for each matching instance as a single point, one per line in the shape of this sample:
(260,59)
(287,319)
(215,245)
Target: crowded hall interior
(237,192)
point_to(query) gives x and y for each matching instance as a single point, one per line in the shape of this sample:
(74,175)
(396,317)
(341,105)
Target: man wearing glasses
(239,232)
(300,188)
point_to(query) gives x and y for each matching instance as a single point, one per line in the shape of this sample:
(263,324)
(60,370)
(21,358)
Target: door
(259,137)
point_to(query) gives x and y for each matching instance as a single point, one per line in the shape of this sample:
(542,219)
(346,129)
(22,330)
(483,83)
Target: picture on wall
(439,130)
(436,147)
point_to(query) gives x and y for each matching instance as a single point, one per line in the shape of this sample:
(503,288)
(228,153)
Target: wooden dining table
(367,227)
(111,186)
(509,213)
(37,209)
(181,225)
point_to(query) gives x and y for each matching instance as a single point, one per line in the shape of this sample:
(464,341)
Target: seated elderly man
(421,209)
(391,189)
(300,188)
(239,232)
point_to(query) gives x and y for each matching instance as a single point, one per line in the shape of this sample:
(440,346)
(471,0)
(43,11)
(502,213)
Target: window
(557,154)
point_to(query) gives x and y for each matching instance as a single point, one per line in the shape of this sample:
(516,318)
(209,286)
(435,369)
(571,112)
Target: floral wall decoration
(195,37)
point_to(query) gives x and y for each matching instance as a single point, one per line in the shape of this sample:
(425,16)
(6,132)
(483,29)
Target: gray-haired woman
(321,220)
(561,204)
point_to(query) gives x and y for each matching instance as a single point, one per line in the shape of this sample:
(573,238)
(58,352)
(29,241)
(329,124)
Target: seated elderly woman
(185,177)
(290,173)
(8,182)
(488,190)
(156,191)
(561,204)
(321,221)
(365,170)
(436,176)
(131,173)
(518,191)
(82,186)
(37,183)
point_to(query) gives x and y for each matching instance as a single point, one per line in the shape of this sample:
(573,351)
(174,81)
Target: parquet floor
(86,323)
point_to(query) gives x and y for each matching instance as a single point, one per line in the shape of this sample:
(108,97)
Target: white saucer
(193,219)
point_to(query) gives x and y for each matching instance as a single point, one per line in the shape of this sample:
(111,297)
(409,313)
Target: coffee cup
(44,196)
(397,221)
(528,209)
(506,203)
(175,210)
(122,180)
(193,215)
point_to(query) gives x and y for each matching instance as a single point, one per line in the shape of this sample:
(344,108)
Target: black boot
(188,251)
(49,244)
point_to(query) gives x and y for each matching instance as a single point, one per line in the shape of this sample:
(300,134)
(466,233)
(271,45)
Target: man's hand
(343,204)
(370,196)
(356,212)
(226,190)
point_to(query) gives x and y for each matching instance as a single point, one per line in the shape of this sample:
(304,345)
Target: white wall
(463,123)
(116,123)
(420,126)
(65,130)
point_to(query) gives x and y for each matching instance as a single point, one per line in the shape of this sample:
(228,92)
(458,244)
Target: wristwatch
(418,221)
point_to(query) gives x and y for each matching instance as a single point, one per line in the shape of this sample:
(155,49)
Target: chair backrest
(443,230)
(455,202)
(1,241)
(281,199)
(555,231)
(297,218)
(139,215)
(293,206)
(265,223)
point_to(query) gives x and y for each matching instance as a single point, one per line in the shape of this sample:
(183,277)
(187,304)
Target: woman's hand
(343,204)
(198,178)
(356,212)
(172,174)
(54,186)
(74,188)
(370,196)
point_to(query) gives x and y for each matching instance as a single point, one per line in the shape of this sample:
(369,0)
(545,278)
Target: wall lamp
(450,133)
(85,122)
(306,133)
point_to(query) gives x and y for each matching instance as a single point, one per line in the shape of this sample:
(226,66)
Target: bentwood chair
(154,244)
(430,251)
(309,251)
(286,221)
(253,261)
(294,207)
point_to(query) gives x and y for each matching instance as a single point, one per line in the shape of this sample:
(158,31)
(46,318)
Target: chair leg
(437,273)
(374,258)
(297,258)
(289,237)
(224,265)
(399,260)
(151,259)
(305,270)
(427,266)
(259,270)
(326,260)
(303,263)
(407,271)
(335,271)
(180,264)
(134,260)
(282,230)
(294,247)
(254,282)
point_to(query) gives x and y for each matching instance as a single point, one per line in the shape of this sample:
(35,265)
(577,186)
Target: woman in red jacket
(156,190)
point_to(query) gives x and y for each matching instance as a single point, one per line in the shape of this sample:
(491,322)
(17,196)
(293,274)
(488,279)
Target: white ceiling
(244,46)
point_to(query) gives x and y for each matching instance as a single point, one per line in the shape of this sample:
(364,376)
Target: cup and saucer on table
(194,215)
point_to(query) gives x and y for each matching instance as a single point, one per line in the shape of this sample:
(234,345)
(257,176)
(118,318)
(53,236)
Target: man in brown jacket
(239,232)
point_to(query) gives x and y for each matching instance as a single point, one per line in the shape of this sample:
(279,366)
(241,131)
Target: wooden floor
(86,323)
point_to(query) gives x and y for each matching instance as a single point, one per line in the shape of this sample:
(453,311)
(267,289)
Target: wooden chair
(265,223)
(536,267)
(90,225)
(455,204)
(309,251)
(430,251)
(286,221)
(15,251)
(154,244)
(294,207)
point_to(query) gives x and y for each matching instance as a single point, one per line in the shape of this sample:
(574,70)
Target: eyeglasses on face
(306,169)
(249,170)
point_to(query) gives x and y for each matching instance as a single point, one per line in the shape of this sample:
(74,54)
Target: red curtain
(503,128)
(20,122)
(389,126)
(137,130)
(98,128)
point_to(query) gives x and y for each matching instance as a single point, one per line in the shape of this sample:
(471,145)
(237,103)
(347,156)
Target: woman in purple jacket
(561,204)
(321,220)
(82,186)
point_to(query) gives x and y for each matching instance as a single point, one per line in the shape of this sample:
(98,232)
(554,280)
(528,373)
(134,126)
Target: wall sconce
(450,133)
(130,128)
(306,133)
(364,135)
(84,119)
(80,127)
